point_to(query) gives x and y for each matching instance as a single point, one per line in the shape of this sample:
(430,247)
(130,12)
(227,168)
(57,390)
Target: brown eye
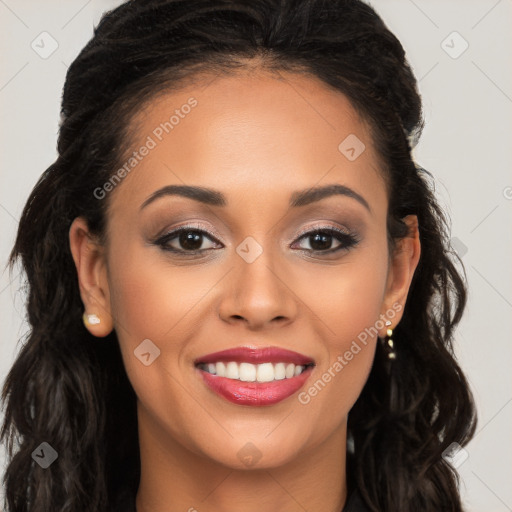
(185,239)
(321,240)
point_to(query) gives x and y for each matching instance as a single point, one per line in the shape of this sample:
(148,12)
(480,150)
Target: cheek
(348,300)
(152,301)
(150,297)
(347,297)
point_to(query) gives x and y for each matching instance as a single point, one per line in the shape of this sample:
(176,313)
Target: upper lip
(256,356)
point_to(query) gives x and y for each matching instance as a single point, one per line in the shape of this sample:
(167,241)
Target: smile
(247,372)
(256,377)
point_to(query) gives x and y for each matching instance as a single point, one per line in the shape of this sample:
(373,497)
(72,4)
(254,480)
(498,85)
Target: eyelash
(347,240)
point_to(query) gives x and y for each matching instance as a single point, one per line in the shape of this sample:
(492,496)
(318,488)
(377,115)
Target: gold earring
(91,319)
(388,342)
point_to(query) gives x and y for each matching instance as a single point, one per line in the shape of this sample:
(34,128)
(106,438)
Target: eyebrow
(216,198)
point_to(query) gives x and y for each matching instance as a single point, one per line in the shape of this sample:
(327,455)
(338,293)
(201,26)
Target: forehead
(250,134)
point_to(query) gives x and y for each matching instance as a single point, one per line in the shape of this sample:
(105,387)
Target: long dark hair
(70,389)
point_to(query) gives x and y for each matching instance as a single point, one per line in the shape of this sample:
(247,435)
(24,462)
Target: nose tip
(257,295)
(278,318)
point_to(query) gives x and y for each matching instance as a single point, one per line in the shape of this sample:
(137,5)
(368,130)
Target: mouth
(257,377)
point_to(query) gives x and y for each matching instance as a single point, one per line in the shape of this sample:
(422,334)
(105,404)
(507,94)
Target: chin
(257,453)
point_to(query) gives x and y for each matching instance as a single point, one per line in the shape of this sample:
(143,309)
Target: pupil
(321,240)
(190,240)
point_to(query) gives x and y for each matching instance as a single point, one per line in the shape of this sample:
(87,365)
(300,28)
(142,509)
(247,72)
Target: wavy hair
(71,390)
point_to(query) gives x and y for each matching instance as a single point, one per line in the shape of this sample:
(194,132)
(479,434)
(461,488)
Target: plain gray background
(461,53)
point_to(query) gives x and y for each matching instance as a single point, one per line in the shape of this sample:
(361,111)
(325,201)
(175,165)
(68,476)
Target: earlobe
(89,258)
(402,267)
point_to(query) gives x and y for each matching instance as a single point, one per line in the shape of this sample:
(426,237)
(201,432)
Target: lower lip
(255,393)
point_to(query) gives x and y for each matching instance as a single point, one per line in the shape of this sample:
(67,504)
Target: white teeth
(220,369)
(265,372)
(279,371)
(231,371)
(247,372)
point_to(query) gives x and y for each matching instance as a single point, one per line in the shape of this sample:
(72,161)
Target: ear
(89,257)
(401,271)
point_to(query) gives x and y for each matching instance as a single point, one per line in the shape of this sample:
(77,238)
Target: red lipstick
(256,356)
(242,392)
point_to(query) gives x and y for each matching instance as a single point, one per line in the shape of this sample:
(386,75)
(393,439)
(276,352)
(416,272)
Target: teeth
(279,371)
(265,372)
(247,372)
(220,369)
(231,371)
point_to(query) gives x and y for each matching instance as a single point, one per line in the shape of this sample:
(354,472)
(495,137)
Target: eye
(186,239)
(190,240)
(321,240)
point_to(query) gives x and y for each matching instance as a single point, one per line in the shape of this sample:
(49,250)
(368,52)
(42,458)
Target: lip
(256,356)
(255,393)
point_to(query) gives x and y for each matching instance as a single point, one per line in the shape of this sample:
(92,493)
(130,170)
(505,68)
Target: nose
(258,294)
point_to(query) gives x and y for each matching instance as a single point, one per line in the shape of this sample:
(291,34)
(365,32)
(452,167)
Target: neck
(175,478)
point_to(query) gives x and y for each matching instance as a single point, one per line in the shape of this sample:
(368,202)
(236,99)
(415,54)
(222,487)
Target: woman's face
(250,269)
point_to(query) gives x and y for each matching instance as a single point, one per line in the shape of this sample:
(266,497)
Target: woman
(241,295)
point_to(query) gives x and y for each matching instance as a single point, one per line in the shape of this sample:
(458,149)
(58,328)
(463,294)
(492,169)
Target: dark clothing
(126,503)
(355,503)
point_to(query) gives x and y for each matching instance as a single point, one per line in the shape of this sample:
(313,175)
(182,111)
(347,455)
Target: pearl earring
(92,319)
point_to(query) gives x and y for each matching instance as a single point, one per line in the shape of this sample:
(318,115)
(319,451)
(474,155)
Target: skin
(256,138)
